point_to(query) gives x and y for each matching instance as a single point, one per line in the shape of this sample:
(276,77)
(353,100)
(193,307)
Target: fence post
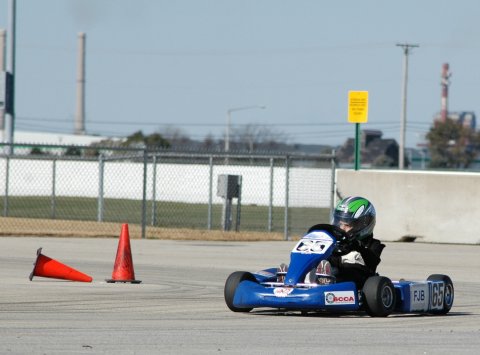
(54,181)
(210,193)
(101,163)
(144,198)
(332,197)
(154,191)
(7,178)
(270,199)
(239,204)
(287,190)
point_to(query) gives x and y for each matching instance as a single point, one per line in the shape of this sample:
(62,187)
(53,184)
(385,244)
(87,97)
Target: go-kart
(295,290)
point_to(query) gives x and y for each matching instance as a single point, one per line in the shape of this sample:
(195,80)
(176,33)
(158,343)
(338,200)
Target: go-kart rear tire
(448,293)
(378,296)
(231,286)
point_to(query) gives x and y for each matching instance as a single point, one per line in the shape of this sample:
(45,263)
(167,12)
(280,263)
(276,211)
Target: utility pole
(401,149)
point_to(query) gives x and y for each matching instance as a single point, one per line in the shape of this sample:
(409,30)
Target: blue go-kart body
(379,296)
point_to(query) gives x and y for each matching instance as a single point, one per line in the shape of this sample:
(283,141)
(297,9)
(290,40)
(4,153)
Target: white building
(26,137)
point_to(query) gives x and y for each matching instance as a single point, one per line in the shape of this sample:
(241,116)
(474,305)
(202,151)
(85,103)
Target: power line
(196,124)
(213,51)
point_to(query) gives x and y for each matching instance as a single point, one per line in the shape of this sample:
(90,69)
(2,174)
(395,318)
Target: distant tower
(445,83)
(80,114)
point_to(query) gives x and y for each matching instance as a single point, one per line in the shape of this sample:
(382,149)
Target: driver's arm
(371,253)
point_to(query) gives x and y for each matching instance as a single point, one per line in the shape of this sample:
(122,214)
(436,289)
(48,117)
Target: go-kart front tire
(379,296)
(231,286)
(448,292)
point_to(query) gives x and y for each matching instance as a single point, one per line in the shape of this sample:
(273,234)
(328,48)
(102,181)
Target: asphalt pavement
(179,308)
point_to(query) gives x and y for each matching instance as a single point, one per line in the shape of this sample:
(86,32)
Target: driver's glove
(356,245)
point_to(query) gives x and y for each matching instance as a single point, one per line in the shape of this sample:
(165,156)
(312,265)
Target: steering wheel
(344,245)
(344,240)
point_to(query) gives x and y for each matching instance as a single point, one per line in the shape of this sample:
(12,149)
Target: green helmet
(358,213)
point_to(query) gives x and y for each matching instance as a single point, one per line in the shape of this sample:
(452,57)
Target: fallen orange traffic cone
(123,268)
(47,267)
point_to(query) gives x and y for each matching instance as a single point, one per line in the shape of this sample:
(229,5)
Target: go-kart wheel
(447,294)
(379,296)
(231,286)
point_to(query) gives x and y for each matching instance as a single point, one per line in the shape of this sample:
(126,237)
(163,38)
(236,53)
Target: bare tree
(257,137)
(176,136)
(451,145)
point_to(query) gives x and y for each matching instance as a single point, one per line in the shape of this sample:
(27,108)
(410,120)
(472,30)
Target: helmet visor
(344,223)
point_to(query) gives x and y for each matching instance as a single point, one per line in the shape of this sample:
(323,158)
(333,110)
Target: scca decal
(340,297)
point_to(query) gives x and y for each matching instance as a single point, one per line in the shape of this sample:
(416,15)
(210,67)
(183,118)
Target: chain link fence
(66,190)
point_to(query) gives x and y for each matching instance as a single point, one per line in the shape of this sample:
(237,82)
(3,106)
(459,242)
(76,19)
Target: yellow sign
(357,106)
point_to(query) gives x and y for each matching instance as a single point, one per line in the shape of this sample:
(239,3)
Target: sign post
(357,113)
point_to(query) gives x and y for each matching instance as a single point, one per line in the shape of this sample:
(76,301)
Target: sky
(158,66)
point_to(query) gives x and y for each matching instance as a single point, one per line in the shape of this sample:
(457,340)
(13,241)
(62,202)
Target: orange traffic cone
(47,267)
(123,268)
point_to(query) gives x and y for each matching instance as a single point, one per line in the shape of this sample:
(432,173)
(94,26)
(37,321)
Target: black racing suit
(370,250)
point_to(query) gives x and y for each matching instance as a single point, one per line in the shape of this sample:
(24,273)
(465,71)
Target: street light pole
(9,127)
(229,121)
(3,41)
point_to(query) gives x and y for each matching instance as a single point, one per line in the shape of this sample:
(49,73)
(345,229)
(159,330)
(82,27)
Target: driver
(355,216)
